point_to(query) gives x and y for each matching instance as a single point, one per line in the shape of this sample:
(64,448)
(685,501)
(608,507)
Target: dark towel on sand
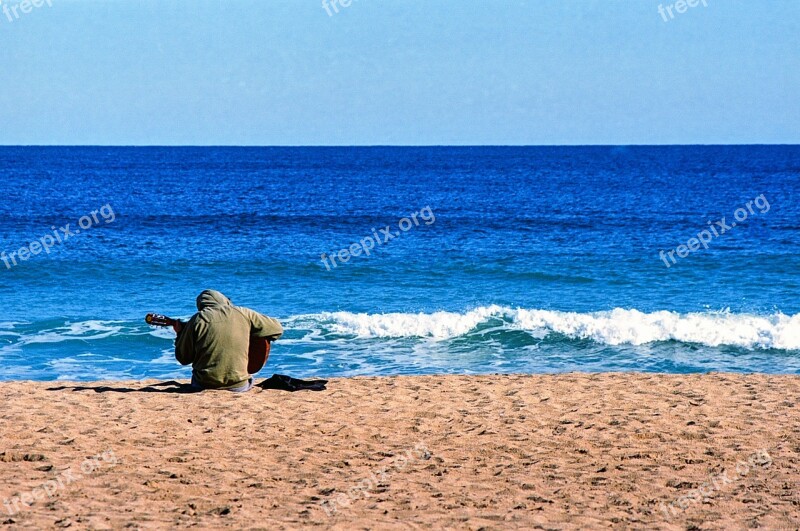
(287,383)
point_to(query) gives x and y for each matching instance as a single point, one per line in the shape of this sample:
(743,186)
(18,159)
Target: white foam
(167,357)
(633,327)
(615,327)
(438,325)
(162,333)
(84,330)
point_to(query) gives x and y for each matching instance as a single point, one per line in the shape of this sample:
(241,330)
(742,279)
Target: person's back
(216,342)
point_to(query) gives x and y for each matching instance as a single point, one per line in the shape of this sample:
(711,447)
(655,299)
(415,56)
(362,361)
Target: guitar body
(257,354)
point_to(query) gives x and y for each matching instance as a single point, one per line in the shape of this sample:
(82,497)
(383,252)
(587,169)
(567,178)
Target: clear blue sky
(284,72)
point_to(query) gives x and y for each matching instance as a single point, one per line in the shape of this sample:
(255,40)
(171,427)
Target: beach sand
(570,451)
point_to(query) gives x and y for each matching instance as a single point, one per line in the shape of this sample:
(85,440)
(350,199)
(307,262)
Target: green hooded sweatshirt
(216,340)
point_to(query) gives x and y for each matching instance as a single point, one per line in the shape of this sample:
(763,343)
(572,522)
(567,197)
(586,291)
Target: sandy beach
(571,451)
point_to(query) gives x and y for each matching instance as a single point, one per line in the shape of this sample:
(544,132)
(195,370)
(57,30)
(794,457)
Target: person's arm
(263,326)
(184,344)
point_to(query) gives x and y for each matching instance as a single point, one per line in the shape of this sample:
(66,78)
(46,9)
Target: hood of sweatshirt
(212,299)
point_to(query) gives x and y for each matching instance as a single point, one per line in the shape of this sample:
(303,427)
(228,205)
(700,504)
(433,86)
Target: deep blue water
(523,259)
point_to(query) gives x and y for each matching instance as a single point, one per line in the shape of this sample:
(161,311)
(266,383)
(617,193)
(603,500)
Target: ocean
(405,260)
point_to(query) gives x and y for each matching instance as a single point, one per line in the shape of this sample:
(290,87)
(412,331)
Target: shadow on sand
(276,382)
(171,386)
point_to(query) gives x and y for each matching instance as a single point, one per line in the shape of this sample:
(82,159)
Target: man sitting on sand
(216,341)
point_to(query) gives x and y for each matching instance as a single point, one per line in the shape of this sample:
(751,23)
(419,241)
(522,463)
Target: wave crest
(438,325)
(615,327)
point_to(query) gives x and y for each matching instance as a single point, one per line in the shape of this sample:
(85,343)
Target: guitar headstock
(156,319)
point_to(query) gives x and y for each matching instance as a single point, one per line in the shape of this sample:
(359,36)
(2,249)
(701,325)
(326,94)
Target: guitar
(257,354)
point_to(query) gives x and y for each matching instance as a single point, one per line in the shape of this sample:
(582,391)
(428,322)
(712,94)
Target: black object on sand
(287,383)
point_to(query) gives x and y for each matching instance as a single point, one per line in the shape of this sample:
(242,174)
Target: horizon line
(383,145)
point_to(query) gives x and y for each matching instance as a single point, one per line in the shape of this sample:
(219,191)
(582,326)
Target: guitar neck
(156,319)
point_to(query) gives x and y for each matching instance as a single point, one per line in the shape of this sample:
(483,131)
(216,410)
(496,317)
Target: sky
(391,72)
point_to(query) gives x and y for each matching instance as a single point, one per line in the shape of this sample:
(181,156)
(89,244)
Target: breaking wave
(614,327)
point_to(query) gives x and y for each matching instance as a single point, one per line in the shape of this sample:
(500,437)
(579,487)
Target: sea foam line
(615,327)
